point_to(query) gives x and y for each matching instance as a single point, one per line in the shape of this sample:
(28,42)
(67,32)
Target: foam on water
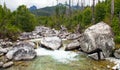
(59,55)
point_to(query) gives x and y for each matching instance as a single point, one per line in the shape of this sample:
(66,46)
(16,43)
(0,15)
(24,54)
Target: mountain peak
(32,8)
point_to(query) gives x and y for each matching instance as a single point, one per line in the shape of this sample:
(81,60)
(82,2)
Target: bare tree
(82,4)
(78,4)
(70,11)
(112,9)
(93,11)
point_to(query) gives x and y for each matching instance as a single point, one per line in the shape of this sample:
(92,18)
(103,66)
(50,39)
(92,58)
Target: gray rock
(8,64)
(117,53)
(73,36)
(45,31)
(2,50)
(95,56)
(1,64)
(73,45)
(99,36)
(22,51)
(63,32)
(53,43)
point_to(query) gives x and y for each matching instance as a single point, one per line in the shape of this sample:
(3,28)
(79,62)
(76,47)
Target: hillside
(48,11)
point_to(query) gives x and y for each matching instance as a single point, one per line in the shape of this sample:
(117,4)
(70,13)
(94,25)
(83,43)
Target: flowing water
(60,60)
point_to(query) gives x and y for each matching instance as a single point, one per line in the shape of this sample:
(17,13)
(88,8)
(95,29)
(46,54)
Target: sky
(13,4)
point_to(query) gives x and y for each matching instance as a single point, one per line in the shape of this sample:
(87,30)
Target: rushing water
(60,60)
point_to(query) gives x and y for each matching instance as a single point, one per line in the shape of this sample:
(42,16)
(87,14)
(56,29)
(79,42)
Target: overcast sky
(13,4)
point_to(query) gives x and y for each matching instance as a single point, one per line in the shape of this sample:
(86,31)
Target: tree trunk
(70,11)
(112,9)
(93,11)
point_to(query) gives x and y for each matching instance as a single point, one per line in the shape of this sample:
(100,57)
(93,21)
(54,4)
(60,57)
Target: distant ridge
(48,11)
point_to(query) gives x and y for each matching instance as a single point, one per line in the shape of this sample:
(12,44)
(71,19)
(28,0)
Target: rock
(63,33)
(117,53)
(73,45)
(22,51)
(116,67)
(108,66)
(25,43)
(45,31)
(95,56)
(2,50)
(1,64)
(98,36)
(53,43)
(1,54)
(8,64)
(73,36)
(6,44)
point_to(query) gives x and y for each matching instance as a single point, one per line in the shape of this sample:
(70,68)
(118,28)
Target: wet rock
(73,45)
(53,43)
(8,64)
(99,36)
(22,51)
(117,53)
(96,57)
(1,64)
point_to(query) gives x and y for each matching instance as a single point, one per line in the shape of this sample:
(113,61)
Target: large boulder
(22,51)
(53,43)
(98,36)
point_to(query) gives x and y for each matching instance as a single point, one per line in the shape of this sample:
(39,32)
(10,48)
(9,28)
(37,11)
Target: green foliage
(87,16)
(100,12)
(10,31)
(12,23)
(116,29)
(117,7)
(24,19)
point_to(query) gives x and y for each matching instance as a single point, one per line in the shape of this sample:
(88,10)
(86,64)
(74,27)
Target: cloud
(13,4)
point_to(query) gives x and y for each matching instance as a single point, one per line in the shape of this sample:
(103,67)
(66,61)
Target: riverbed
(61,60)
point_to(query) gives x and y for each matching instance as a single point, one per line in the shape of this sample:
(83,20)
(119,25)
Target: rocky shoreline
(97,42)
